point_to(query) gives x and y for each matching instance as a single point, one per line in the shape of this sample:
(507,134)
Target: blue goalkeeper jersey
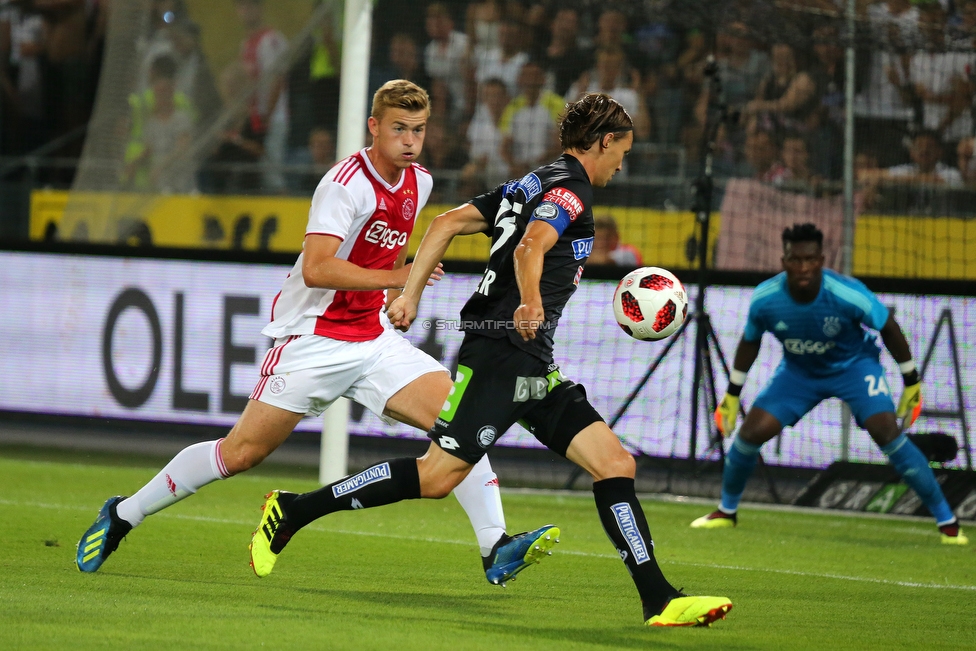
(824,336)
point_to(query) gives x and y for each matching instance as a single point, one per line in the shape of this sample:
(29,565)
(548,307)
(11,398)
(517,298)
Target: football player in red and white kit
(332,338)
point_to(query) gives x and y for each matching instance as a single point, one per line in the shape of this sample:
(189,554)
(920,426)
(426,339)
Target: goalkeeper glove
(910,405)
(727,413)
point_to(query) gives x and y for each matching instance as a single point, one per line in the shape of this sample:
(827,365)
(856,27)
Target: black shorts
(497,385)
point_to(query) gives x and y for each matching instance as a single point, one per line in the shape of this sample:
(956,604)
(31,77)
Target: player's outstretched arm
(910,404)
(320,268)
(463,220)
(529,257)
(728,410)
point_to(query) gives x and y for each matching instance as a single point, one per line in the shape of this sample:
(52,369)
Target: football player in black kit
(542,233)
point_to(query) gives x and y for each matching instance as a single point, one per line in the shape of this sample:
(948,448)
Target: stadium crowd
(500,71)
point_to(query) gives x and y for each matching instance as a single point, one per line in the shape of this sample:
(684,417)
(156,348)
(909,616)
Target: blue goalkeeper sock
(739,463)
(914,468)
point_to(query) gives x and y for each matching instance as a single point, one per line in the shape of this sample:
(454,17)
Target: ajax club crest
(831,326)
(409,207)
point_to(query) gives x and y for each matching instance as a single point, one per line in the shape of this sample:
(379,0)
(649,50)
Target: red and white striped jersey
(374,220)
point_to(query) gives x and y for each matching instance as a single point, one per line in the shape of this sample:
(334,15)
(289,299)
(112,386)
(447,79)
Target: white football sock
(480,498)
(190,470)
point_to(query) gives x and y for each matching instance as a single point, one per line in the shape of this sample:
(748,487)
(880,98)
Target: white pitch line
(714,566)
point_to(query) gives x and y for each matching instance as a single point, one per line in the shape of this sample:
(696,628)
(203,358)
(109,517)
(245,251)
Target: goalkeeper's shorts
(791,392)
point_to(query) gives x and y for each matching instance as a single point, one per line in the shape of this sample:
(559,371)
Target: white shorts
(307,373)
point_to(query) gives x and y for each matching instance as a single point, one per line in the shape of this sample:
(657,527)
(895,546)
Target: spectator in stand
(441,151)
(607,247)
(175,35)
(940,80)
(231,167)
(529,123)
(441,101)
(403,62)
(926,166)
(268,110)
(193,76)
(865,170)
(162,130)
(786,98)
(613,77)
(659,44)
(962,29)
(611,32)
(563,57)
(882,115)
(486,166)
(317,157)
(826,135)
(686,77)
(313,83)
(796,174)
(482,24)
(967,162)
(762,156)
(21,46)
(67,67)
(741,66)
(505,61)
(157,40)
(865,163)
(446,56)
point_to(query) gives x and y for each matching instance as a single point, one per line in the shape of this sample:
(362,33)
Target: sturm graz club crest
(486,436)
(831,325)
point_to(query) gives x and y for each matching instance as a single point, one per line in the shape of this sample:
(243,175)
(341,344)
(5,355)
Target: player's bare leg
(258,432)
(597,450)
(419,402)
(915,471)
(261,429)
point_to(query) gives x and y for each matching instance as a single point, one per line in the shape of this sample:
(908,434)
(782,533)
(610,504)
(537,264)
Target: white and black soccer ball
(650,303)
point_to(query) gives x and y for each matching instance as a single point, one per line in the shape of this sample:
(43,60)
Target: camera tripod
(707,348)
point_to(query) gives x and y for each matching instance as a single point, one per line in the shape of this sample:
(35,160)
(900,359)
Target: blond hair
(400,94)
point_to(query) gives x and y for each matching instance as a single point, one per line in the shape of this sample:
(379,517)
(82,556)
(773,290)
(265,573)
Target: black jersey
(560,194)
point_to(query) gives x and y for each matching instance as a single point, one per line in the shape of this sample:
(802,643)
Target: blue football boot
(103,537)
(512,554)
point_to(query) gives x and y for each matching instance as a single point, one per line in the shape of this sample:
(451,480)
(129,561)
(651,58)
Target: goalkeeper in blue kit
(818,315)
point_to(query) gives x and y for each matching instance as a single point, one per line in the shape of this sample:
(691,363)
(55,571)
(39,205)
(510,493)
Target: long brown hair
(591,117)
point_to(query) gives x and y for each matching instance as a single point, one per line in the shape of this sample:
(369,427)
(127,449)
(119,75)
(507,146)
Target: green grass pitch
(408,576)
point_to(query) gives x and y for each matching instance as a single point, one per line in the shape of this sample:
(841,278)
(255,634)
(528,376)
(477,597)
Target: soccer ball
(650,303)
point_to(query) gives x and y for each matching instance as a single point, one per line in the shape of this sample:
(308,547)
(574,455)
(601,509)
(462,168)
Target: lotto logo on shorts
(628,527)
(365,478)
(277,384)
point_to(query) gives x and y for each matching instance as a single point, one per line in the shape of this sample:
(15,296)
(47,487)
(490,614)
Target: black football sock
(385,483)
(623,520)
